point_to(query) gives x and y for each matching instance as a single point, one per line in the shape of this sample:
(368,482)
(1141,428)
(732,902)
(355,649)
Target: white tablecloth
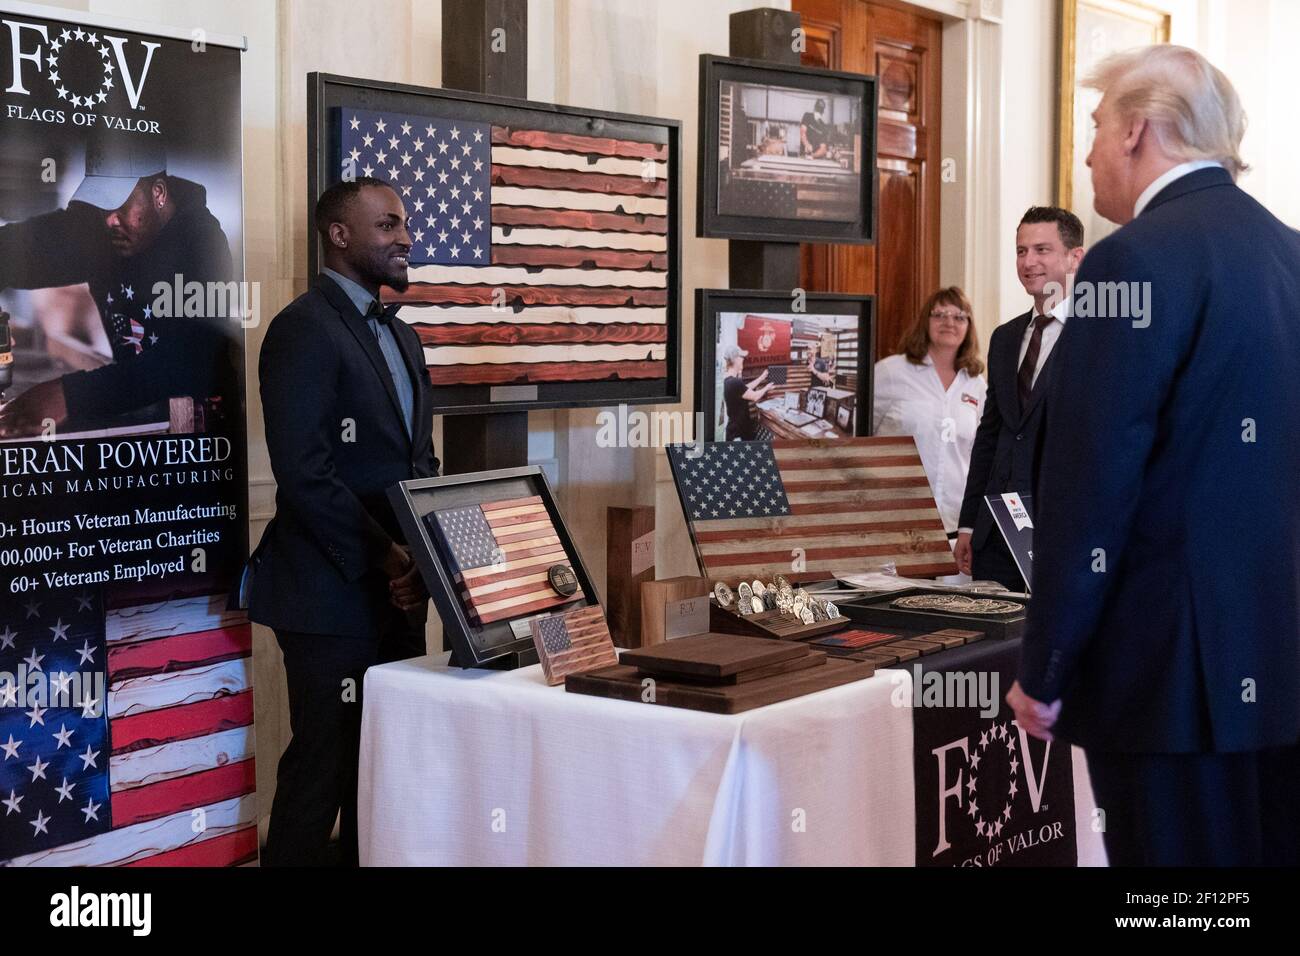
(494,768)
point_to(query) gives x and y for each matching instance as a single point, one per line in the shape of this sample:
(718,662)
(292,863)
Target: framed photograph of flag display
(545,258)
(773,366)
(786,153)
(495,554)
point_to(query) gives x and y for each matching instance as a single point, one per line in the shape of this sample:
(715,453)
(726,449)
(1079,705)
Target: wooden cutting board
(622,682)
(813,659)
(712,655)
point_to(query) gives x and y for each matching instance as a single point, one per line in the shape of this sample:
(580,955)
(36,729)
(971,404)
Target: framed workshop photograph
(1092,30)
(545,258)
(786,153)
(495,554)
(768,372)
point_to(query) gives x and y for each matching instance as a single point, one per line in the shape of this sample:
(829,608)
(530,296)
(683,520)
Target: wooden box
(629,563)
(672,608)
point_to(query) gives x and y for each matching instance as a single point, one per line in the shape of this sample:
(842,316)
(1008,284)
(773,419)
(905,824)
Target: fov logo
(980,780)
(82,67)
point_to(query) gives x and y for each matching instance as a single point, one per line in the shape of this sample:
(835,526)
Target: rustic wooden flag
(502,553)
(809,509)
(573,642)
(536,256)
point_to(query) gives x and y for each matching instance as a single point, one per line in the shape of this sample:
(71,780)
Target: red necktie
(1025,378)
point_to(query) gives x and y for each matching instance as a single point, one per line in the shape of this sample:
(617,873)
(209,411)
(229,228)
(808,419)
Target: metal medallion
(726,597)
(562,579)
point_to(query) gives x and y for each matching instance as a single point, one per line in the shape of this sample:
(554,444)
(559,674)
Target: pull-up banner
(126,714)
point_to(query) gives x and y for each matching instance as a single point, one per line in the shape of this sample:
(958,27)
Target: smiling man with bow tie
(348,415)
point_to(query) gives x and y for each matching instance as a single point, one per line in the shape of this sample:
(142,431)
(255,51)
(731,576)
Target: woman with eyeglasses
(933,390)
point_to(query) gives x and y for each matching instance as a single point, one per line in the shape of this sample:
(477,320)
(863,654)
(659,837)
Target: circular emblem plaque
(562,579)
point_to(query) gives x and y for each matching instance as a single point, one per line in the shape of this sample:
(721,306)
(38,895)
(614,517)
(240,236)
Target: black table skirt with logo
(987,794)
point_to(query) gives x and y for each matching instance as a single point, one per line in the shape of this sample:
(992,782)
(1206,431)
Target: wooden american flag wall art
(544,260)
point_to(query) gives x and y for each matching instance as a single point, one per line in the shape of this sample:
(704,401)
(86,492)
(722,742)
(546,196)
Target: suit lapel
(357,325)
(1009,396)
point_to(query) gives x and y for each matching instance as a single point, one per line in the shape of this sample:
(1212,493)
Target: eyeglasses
(957,317)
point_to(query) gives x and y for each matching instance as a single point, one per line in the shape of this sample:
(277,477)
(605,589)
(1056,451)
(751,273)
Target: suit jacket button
(1020,436)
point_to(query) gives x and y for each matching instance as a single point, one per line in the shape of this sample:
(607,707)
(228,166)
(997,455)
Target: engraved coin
(746,592)
(759,587)
(819,610)
(799,606)
(831,610)
(781,582)
(726,597)
(770,599)
(757,603)
(806,616)
(562,579)
(801,593)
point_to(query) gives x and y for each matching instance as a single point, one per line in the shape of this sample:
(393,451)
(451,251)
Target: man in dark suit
(1049,246)
(348,415)
(1164,633)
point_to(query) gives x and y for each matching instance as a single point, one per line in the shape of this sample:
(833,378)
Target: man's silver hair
(1192,107)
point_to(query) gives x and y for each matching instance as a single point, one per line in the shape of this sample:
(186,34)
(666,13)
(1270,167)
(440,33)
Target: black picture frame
(710,304)
(497,643)
(712,223)
(328,93)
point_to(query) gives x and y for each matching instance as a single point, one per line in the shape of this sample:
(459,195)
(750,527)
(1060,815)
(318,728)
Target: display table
(494,768)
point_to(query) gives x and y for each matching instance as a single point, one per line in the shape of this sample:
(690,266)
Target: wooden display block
(771,624)
(623,682)
(629,563)
(672,608)
(712,656)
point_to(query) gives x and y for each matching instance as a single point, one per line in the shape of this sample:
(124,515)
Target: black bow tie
(383,314)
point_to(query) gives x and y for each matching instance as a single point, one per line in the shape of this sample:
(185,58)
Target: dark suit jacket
(337,444)
(1007,441)
(1189,640)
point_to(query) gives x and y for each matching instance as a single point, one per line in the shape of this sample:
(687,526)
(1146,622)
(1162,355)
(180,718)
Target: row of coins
(755,597)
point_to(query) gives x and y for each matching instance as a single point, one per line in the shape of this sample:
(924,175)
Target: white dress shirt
(1051,332)
(911,400)
(1163,180)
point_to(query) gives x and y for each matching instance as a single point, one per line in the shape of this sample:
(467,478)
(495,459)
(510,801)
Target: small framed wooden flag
(573,643)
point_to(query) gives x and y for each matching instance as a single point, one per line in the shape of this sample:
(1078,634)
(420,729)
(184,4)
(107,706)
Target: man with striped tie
(348,415)
(1049,248)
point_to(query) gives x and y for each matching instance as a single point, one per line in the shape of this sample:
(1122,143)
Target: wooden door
(901,45)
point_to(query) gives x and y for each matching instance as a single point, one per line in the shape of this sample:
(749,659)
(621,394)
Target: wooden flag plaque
(572,642)
(494,553)
(807,509)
